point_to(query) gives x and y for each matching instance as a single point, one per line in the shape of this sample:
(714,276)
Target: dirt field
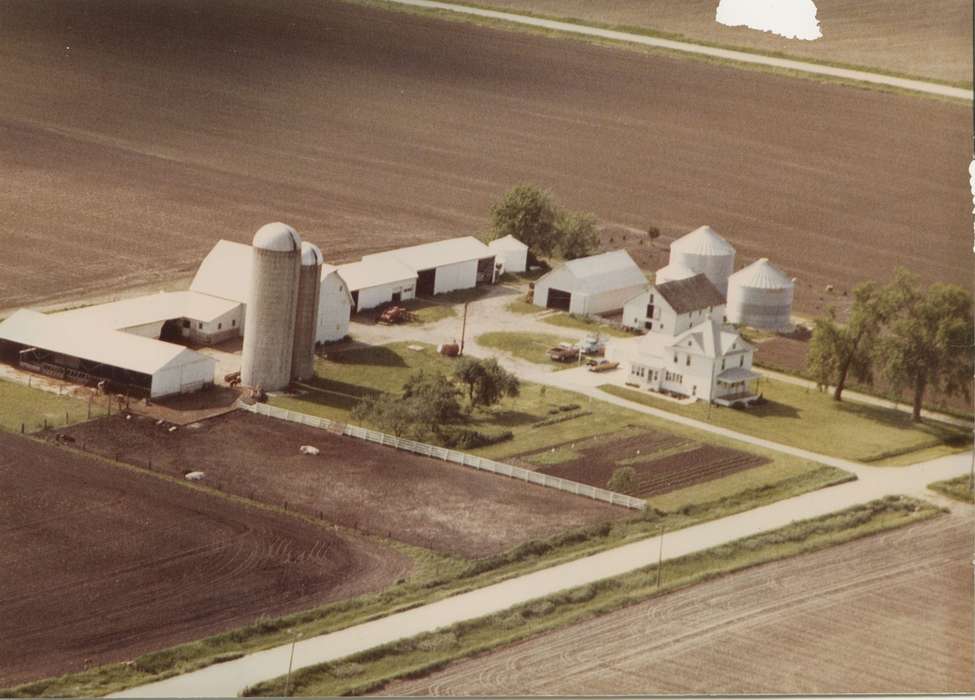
(891,613)
(932,39)
(662,462)
(101,564)
(377,489)
(134,135)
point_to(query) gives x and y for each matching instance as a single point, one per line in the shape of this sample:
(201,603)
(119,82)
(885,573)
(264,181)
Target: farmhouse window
(649,325)
(186,324)
(219,326)
(741,361)
(694,390)
(649,310)
(200,325)
(233,322)
(722,363)
(688,363)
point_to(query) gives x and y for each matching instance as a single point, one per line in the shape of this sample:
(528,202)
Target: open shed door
(426,282)
(557,299)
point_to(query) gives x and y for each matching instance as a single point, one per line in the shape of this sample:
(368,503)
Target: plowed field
(886,614)
(100,563)
(133,135)
(358,484)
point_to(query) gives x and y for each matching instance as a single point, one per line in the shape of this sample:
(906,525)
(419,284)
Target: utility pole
(463,329)
(660,557)
(291,660)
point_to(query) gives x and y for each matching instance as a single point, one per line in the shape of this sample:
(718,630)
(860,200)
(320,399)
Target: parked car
(564,352)
(603,366)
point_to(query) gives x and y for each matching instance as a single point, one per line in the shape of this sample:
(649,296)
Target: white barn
(674,307)
(594,285)
(377,280)
(79,351)
(444,266)
(334,307)
(511,253)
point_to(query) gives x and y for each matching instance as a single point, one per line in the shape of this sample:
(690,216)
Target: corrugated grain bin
(306,314)
(269,327)
(760,296)
(704,251)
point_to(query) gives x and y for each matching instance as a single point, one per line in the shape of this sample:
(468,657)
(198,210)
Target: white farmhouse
(334,307)
(511,253)
(674,307)
(594,285)
(709,362)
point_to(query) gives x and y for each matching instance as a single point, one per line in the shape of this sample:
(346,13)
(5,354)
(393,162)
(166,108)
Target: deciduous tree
(529,214)
(577,235)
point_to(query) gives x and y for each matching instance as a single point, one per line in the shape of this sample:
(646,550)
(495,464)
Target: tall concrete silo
(269,323)
(306,313)
(760,295)
(704,251)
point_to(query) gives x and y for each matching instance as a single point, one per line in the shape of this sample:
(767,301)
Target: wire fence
(448,455)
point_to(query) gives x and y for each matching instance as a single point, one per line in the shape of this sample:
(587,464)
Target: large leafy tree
(577,235)
(837,350)
(928,344)
(529,214)
(429,402)
(487,382)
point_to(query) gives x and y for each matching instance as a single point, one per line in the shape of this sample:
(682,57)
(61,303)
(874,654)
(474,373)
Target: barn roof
(508,242)
(437,254)
(152,308)
(95,344)
(605,272)
(226,272)
(690,294)
(374,271)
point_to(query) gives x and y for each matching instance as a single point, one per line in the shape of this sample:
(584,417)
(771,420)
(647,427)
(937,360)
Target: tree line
(532,216)
(915,339)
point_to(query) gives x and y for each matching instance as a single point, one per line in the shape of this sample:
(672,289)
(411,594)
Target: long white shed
(445,266)
(593,285)
(376,280)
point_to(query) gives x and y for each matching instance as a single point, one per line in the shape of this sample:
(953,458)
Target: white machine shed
(445,266)
(594,285)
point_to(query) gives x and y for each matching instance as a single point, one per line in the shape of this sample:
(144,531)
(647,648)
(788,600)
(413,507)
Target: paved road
(686,47)
(230,678)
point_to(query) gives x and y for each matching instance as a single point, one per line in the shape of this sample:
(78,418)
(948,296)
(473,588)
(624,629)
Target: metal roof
(226,272)
(374,271)
(437,253)
(761,274)
(711,339)
(690,294)
(604,272)
(153,308)
(737,374)
(95,344)
(674,271)
(508,242)
(702,241)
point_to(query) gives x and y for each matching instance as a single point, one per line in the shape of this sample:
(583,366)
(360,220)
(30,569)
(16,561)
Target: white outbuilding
(444,266)
(334,307)
(704,251)
(674,307)
(593,285)
(85,352)
(511,253)
(760,296)
(376,280)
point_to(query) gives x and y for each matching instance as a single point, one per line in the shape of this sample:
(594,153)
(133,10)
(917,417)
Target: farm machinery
(395,314)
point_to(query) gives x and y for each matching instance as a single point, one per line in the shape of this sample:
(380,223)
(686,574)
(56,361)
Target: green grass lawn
(586,323)
(811,420)
(20,404)
(369,671)
(521,306)
(541,417)
(526,346)
(959,488)
(430,311)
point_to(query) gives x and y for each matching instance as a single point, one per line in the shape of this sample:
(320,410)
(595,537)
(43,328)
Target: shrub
(467,439)
(437,642)
(623,480)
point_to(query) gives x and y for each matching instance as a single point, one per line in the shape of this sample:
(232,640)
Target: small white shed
(511,253)
(594,285)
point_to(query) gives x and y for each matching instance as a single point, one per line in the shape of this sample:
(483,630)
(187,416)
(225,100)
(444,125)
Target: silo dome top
(277,236)
(761,274)
(311,254)
(675,271)
(702,241)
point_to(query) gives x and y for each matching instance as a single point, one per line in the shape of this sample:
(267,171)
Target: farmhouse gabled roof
(437,254)
(226,272)
(690,294)
(605,272)
(96,344)
(711,339)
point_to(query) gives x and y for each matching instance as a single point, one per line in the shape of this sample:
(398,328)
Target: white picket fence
(468,460)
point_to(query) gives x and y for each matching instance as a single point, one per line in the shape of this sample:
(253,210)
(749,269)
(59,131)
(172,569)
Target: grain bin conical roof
(761,274)
(702,241)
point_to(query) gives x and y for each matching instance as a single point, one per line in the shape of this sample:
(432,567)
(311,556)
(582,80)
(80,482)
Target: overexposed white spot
(793,19)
